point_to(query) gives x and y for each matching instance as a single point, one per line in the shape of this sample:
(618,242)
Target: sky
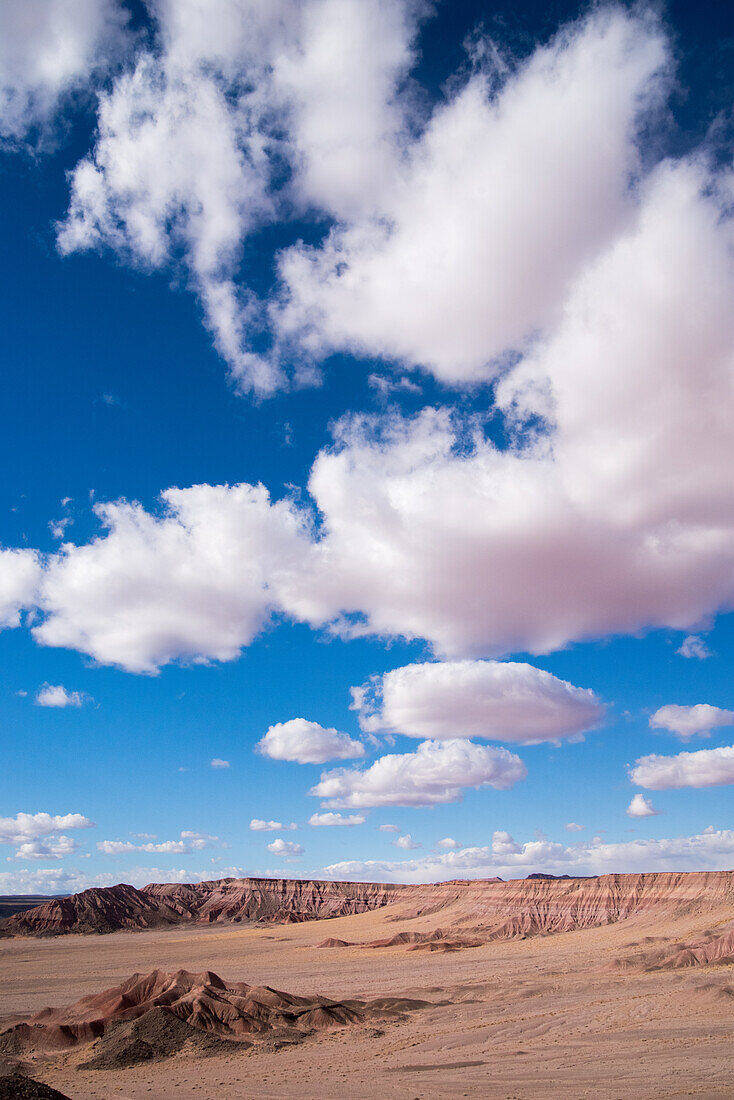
(368,388)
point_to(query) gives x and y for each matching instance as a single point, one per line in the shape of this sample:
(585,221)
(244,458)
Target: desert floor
(550,1016)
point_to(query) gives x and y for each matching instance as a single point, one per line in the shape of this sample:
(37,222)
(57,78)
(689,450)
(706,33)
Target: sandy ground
(545,1017)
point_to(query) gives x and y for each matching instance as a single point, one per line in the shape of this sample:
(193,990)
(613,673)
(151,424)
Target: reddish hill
(154,1015)
(490,909)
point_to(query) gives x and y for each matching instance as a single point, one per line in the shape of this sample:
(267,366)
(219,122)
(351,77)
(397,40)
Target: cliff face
(114,908)
(490,908)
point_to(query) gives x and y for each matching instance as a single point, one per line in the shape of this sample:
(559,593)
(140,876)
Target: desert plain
(636,1000)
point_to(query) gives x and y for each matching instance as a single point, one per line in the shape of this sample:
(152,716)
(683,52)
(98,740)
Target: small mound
(443,946)
(150,1038)
(334,942)
(17,1087)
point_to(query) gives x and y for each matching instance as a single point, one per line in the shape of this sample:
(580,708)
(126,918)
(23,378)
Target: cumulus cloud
(694,646)
(573,827)
(499,701)
(282,847)
(435,773)
(42,836)
(193,582)
(591,524)
(448,844)
(307,742)
(329,819)
(259,826)
(240,92)
(641,807)
(705,768)
(55,695)
(20,574)
(518,178)
(687,722)
(710,850)
(406,842)
(216,762)
(49,49)
(190,842)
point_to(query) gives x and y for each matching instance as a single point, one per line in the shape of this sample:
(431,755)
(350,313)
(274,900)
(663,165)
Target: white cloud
(492,211)
(307,742)
(20,574)
(49,48)
(694,646)
(55,695)
(641,807)
(190,842)
(50,881)
(583,528)
(705,768)
(240,92)
(389,828)
(709,850)
(499,701)
(216,762)
(25,826)
(259,826)
(687,722)
(191,583)
(573,827)
(42,836)
(406,842)
(329,819)
(448,844)
(435,773)
(281,847)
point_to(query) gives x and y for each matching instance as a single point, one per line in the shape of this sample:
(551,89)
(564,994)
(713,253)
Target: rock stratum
(477,910)
(151,1016)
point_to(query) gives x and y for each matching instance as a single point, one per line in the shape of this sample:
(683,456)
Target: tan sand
(548,1016)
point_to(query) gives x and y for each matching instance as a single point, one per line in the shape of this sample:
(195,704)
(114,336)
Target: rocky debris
(151,1016)
(15,1086)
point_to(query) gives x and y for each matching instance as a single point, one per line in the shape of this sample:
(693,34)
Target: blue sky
(423,314)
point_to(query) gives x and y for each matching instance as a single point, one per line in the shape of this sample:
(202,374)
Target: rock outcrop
(151,1016)
(486,909)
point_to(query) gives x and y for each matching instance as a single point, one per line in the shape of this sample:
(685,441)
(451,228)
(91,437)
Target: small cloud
(448,844)
(694,646)
(641,807)
(55,695)
(259,826)
(215,762)
(389,829)
(384,385)
(285,848)
(687,722)
(304,742)
(21,694)
(573,827)
(406,842)
(57,527)
(336,819)
(111,400)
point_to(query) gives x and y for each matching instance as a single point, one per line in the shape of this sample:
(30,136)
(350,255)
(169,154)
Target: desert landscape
(617,986)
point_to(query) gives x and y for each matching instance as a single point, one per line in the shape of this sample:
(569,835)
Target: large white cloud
(195,582)
(687,722)
(705,768)
(600,521)
(241,91)
(305,742)
(499,701)
(508,192)
(710,850)
(435,773)
(49,48)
